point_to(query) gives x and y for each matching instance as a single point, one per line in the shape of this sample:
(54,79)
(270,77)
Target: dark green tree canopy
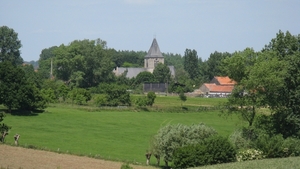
(10,46)
(162,73)
(18,91)
(213,64)
(83,63)
(144,77)
(191,63)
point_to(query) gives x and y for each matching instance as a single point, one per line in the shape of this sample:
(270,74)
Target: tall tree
(191,63)
(17,91)
(258,77)
(162,73)
(46,57)
(175,60)
(213,63)
(10,46)
(286,104)
(83,63)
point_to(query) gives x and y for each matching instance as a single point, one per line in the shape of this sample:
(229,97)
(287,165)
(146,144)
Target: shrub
(271,146)
(126,166)
(191,156)
(249,154)
(291,147)
(79,95)
(100,99)
(214,150)
(146,101)
(150,98)
(172,137)
(221,149)
(238,141)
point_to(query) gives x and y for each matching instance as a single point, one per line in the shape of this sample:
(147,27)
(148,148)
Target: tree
(12,80)
(182,97)
(173,59)
(83,63)
(10,46)
(258,77)
(162,73)
(3,128)
(191,63)
(46,57)
(144,77)
(214,63)
(285,103)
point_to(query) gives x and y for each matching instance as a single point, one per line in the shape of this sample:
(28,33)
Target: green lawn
(115,135)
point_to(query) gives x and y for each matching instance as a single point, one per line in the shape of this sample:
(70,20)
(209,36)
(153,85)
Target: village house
(218,87)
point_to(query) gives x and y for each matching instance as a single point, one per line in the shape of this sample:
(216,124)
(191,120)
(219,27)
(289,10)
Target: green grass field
(276,163)
(122,135)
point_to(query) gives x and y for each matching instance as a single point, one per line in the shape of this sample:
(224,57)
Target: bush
(126,166)
(171,137)
(191,156)
(291,147)
(214,150)
(150,98)
(249,154)
(100,99)
(141,102)
(238,141)
(115,95)
(221,149)
(79,95)
(271,146)
(146,101)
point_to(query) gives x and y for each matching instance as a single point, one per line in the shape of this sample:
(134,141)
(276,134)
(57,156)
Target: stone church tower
(153,57)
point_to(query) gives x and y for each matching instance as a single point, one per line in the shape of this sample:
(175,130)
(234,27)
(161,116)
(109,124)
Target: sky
(204,25)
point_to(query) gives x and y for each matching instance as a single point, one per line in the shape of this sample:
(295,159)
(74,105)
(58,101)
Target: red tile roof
(218,88)
(225,80)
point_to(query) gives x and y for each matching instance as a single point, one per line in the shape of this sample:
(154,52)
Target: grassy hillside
(109,134)
(281,163)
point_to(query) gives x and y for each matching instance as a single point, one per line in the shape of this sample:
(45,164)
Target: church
(153,57)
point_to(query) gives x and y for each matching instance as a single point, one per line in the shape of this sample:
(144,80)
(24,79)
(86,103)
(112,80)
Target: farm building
(218,87)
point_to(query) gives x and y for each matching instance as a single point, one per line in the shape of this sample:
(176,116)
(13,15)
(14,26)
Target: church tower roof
(154,51)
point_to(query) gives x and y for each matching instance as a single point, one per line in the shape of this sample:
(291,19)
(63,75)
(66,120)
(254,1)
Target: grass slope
(281,163)
(113,135)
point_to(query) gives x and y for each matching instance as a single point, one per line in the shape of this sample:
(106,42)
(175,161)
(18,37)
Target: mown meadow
(121,134)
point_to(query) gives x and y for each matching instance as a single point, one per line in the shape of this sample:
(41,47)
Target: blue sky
(203,25)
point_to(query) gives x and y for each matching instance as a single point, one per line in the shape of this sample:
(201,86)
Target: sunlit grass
(281,163)
(109,134)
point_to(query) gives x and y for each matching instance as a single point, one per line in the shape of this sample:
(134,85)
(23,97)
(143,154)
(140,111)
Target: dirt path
(17,157)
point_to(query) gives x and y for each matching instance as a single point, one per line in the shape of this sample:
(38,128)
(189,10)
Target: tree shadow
(23,112)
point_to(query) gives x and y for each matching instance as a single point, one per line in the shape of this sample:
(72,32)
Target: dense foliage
(10,46)
(268,78)
(17,91)
(171,137)
(215,150)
